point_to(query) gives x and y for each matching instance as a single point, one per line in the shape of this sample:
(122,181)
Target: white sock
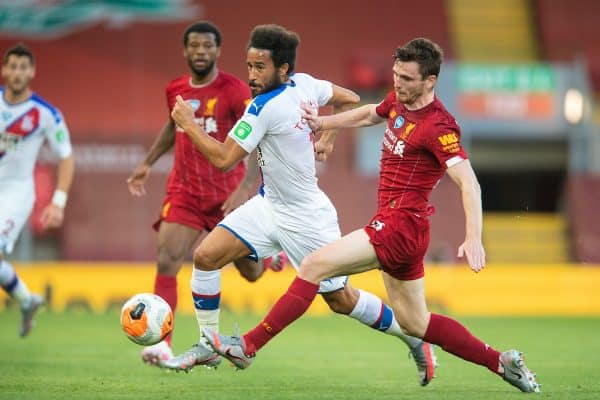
(371,311)
(206,293)
(13,285)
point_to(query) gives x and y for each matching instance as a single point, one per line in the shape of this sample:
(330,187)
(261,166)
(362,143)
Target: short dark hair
(19,50)
(202,27)
(281,42)
(426,53)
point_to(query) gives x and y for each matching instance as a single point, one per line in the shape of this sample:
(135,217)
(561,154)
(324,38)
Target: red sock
(166,287)
(456,339)
(288,308)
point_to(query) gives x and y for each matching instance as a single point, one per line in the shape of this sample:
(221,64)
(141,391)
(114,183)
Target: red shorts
(193,212)
(400,239)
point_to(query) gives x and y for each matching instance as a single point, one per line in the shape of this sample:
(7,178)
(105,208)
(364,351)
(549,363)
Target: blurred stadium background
(522,78)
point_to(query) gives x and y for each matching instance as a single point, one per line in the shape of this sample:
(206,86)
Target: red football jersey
(218,106)
(418,147)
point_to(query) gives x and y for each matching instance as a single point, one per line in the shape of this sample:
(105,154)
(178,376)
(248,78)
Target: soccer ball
(146,319)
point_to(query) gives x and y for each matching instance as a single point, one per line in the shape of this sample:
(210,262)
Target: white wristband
(59,199)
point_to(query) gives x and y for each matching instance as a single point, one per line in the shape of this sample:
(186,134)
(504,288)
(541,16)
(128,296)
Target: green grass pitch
(78,355)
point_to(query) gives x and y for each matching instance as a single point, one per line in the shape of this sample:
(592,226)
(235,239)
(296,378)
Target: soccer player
(27,121)
(420,143)
(290,212)
(198,194)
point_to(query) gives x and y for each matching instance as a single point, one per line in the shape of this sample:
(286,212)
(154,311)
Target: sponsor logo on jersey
(209,109)
(399,122)
(242,130)
(60,136)
(449,142)
(195,103)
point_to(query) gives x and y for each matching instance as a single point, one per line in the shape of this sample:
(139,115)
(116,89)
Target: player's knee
(311,268)
(169,262)
(204,259)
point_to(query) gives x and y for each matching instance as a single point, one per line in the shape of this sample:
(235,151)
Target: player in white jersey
(290,213)
(26,121)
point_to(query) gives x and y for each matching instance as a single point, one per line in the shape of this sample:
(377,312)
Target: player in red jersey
(198,194)
(421,143)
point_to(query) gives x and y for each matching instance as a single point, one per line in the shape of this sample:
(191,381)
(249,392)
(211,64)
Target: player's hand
(137,180)
(323,149)
(473,250)
(311,116)
(236,199)
(182,113)
(52,216)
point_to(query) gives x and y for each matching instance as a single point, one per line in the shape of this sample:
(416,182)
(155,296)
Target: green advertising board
(505,78)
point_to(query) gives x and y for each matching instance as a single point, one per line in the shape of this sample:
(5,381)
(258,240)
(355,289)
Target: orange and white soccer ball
(146,319)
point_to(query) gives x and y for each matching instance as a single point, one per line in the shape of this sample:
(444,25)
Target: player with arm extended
(291,212)
(421,142)
(27,121)
(198,194)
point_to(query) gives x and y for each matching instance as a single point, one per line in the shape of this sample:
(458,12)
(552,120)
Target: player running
(291,212)
(27,121)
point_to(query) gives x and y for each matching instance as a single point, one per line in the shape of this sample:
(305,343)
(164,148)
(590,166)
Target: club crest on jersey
(195,103)
(399,122)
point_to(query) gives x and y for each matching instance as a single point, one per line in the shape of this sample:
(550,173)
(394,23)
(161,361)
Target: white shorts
(254,223)
(15,206)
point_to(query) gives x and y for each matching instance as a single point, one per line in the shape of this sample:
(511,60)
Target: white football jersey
(273,124)
(23,129)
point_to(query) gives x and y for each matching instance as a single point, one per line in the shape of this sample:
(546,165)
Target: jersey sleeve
(57,135)
(444,143)
(250,129)
(383,108)
(321,90)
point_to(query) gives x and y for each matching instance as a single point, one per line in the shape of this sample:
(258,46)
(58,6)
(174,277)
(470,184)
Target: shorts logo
(399,122)
(242,130)
(377,225)
(165,210)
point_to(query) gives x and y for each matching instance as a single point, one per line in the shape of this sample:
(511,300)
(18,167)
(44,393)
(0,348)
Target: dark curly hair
(202,27)
(281,42)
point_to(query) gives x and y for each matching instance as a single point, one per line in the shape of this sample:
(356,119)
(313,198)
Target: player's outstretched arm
(222,155)
(464,176)
(342,99)
(355,118)
(163,143)
(53,214)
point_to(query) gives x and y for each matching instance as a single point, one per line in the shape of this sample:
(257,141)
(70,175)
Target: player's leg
(17,289)
(252,270)
(175,241)
(408,300)
(13,217)
(370,310)
(238,236)
(348,254)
